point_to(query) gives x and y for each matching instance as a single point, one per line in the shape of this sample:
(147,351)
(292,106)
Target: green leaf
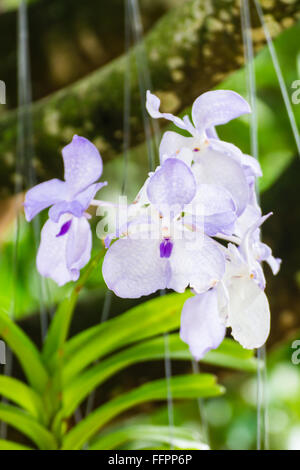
(25,423)
(229,354)
(148,319)
(178,438)
(232,355)
(60,324)
(182,387)
(10,445)
(26,352)
(22,395)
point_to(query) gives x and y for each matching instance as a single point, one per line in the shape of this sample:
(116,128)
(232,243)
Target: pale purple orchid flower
(165,254)
(247,313)
(214,208)
(65,248)
(209,110)
(207,151)
(66,237)
(83,167)
(254,252)
(238,301)
(201,326)
(246,282)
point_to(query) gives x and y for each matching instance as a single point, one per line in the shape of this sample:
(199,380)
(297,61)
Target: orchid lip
(166,248)
(64,228)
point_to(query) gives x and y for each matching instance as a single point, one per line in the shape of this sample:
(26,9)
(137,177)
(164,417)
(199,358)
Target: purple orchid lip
(64,228)
(166,248)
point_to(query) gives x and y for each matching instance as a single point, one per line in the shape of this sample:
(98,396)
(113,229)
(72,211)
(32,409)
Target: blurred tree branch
(67,40)
(191,49)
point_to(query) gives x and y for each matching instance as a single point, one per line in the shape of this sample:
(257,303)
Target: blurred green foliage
(231,420)
(276,142)
(61,376)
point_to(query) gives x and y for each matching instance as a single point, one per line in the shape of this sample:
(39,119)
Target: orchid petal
(152,106)
(133,268)
(186,155)
(218,107)
(63,207)
(265,254)
(214,199)
(222,223)
(82,162)
(246,246)
(62,255)
(201,327)
(212,133)
(249,313)
(172,143)
(227,149)
(214,210)
(199,264)
(79,246)
(51,257)
(274,264)
(86,196)
(42,196)
(173,184)
(250,215)
(251,166)
(213,167)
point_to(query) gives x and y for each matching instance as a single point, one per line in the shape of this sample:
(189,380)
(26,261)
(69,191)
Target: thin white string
(104,317)
(127,99)
(25,148)
(202,409)
(250,75)
(262,408)
(265,398)
(144,79)
(262,401)
(168,374)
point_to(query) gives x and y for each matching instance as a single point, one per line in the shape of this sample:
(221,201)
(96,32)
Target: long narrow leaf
(25,423)
(182,387)
(174,436)
(22,395)
(229,354)
(60,324)
(26,352)
(144,321)
(232,355)
(10,445)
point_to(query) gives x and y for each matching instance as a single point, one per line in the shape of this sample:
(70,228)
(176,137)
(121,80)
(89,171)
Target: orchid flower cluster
(195,224)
